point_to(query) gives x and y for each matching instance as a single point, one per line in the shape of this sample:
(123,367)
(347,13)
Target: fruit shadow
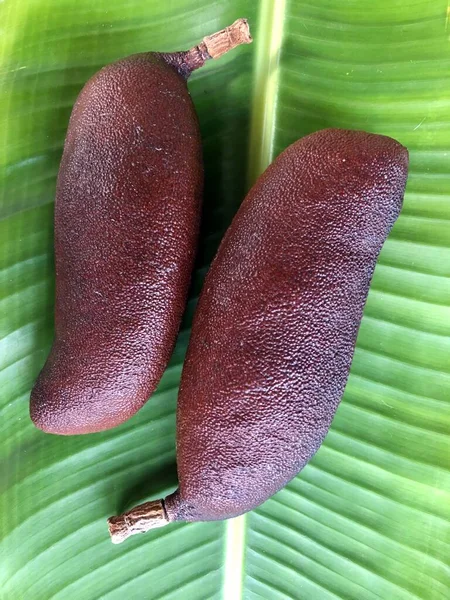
(157,484)
(222,97)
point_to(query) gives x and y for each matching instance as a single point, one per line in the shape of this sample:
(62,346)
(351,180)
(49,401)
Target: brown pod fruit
(276,325)
(126,221)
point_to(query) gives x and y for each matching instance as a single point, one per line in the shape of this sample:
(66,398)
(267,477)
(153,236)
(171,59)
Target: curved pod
(276,325)
(126,223)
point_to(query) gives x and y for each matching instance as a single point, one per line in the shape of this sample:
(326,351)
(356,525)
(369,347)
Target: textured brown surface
(126,223)
(277,320)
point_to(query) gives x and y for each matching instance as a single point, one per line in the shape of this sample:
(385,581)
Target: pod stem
(139,519)
(217,44)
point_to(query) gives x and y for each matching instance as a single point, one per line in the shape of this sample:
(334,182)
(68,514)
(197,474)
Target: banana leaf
(368,518)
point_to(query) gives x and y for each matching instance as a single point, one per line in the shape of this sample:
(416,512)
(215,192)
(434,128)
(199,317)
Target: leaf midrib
(269,36)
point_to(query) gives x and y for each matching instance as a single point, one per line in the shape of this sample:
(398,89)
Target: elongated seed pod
(126,222)
(276,325)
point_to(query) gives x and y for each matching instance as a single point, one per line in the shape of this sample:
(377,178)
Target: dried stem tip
(138,520)
(225,40)
(217,44)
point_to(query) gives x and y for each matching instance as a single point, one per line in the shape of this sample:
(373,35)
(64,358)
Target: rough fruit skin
(126,223)
(276,324)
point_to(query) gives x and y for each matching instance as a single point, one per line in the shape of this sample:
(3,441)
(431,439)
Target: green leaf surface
(368,518)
